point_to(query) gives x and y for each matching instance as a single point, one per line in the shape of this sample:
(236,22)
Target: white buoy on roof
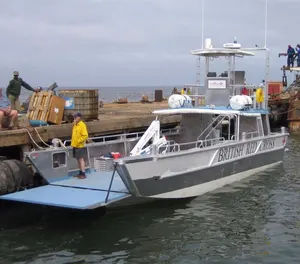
(207,44)
(179,100)
(240,102)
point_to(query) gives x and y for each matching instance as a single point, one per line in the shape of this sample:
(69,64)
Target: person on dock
(13,90)
(298,55)
(79,137)
(183,91)
(7,115)
(175,91)
(290,56)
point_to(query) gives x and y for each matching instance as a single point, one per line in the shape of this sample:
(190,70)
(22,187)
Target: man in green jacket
(13,90)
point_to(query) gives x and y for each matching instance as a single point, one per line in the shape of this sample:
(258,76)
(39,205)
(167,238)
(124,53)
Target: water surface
(253,221)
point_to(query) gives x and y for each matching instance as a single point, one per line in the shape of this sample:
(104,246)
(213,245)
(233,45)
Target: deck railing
(128,136)
(172,146)
(197,93)
(250,135)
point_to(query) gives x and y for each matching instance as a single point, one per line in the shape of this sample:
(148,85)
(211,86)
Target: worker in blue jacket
(298,55)
(290,56)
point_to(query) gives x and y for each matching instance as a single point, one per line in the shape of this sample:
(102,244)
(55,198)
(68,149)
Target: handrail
(120,136)
(193,85)
(196,95)
(172,131)
(174,144)
(131,136)
(212,123)
(249,86)
(202,145)
(193,143)
(169,145)
(251,134)
(214,128)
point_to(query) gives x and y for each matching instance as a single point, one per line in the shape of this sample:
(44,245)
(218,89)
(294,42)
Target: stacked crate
(45,106)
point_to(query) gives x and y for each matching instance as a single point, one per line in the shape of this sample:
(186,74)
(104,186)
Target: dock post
(24,148)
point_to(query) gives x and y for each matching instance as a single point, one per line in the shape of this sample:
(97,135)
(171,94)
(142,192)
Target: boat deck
(89,193)
(94,181)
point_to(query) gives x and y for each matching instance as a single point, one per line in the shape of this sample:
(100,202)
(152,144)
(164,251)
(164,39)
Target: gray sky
(134,42)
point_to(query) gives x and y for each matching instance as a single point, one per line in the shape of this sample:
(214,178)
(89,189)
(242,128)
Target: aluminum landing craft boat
(223,141)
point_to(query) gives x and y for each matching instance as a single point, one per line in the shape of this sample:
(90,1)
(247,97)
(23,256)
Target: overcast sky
(134,42)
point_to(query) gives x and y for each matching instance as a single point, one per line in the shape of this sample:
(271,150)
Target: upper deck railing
(199,98)
(229,51)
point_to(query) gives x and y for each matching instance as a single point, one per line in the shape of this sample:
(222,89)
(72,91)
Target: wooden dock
(113,118)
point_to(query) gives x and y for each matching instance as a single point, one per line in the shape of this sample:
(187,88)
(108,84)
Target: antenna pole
(202,23)
(267,58)
(266,22)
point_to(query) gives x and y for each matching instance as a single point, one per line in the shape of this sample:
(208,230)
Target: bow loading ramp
(97,190)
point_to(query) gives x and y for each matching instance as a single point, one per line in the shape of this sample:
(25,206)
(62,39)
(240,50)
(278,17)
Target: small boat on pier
(222,139)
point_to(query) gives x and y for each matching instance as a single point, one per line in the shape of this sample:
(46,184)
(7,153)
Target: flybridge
(219,88)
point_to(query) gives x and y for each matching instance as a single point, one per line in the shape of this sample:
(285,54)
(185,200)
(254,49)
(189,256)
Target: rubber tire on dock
(14,175)
(7,181)
(22,174)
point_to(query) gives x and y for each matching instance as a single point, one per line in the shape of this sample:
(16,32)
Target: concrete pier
(113,119)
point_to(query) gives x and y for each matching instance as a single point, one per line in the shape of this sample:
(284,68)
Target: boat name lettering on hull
(230,152)
(267,144)
(251,148)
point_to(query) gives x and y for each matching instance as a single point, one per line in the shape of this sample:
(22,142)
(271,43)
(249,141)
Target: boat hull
(194,190)
(135,180)
(173,186)
(196,172)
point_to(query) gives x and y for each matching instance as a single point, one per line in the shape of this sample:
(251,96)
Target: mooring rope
(39,136)
(31,138)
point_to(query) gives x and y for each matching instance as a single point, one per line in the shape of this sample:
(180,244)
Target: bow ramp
(97,190)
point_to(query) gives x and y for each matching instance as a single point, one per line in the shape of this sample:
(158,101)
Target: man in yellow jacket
(79,136)
(259,96)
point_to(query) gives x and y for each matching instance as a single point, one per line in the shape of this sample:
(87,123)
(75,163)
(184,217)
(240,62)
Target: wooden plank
(46,108)
(36,106)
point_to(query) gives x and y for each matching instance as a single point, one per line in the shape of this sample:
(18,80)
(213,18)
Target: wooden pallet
(39,106)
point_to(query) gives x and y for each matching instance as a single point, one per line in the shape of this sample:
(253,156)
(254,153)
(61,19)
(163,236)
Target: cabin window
(59,159)
(248,127)
(227,130)
(233,123)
